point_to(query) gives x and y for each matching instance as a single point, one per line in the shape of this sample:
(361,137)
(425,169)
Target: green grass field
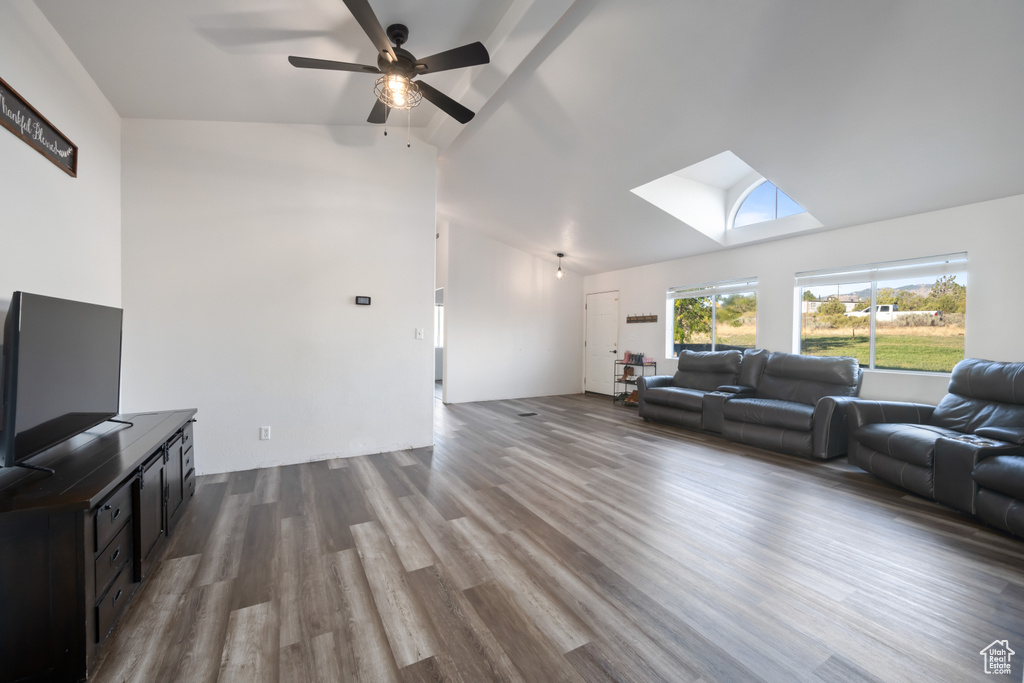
(892,351)
(736,339)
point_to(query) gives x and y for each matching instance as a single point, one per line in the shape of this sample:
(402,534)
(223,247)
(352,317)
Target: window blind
(929,266)
(740,286)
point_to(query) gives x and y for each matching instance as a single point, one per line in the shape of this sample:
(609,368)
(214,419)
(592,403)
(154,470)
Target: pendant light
(559,273)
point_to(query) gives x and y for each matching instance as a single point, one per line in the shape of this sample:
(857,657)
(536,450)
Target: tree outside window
(715,321)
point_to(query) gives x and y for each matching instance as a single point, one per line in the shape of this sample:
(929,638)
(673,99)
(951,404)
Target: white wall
(441,256)
(60,236)
(244,247)
(513,330)
(989,232)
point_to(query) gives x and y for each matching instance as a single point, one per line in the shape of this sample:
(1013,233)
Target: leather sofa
(967,452)
(796,405)
(778,401)
(679,399)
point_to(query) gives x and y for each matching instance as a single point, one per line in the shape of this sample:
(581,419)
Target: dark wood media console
(77,544)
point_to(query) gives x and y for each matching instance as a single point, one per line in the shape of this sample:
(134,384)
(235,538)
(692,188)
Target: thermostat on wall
(362,301)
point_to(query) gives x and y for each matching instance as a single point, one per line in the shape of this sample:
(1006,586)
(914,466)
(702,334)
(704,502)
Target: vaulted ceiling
(859,111)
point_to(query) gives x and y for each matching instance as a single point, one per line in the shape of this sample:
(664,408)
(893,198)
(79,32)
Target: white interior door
(602,341)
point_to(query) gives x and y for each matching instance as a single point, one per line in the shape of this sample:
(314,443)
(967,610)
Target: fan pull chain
(408,127)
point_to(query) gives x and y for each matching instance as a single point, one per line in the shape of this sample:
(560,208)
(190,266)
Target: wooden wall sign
(21,118)
(650,318)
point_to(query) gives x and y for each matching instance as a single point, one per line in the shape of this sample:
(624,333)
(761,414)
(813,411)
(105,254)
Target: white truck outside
(889,312)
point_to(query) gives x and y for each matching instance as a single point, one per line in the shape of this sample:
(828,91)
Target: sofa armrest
(1007,434)
(955,459)
(643,383)
(654,381)
(829,435)
(737,389)
(860,412)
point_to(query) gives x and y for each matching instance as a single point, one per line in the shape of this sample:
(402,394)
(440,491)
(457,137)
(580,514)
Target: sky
(838,290)
(766,203)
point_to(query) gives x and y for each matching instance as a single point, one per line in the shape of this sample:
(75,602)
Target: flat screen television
(61,372)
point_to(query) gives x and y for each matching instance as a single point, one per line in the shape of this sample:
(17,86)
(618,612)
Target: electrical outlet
(264,433)
(419,333)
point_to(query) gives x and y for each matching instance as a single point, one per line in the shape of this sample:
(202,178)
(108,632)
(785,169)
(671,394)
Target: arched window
(765,203)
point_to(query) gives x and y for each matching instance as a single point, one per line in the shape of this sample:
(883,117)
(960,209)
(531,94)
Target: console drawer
(190,484)
(186,436)
(113,558)
(110,606)
(186,463)
(112,514)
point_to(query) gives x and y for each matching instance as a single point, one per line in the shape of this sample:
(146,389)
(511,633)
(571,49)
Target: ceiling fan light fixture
(397,91)
(395,88)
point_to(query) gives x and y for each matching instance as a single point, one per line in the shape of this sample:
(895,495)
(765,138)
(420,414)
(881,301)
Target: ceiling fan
(396,89)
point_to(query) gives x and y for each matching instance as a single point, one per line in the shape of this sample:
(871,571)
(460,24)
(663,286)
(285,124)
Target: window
(712,316)
(765,203)
(901,315)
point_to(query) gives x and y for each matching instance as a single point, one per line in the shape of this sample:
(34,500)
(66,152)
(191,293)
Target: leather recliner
(795,405)
(967,452)
(679,399)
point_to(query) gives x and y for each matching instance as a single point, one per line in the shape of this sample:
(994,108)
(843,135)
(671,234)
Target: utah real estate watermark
(998,656)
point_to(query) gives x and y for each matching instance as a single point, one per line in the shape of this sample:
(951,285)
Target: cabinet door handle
(118,596)
(115,515)
(116,554)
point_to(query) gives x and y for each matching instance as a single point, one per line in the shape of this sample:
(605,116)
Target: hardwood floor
(575,543)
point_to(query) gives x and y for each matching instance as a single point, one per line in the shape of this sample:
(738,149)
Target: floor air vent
(527,414)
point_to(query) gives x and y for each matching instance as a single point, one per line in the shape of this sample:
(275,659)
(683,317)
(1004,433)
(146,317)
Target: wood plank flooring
(577,544)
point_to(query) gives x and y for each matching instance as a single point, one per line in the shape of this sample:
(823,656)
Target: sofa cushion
(967,414)
(676,397)
(1001,473)
(910,443)
(806,379)
(752,366)
(771,413)
(988,380)
(707,370)
(982,393)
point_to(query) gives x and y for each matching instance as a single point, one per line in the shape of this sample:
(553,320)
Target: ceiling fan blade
(445,103)
(310,63)
(379,113)
(363,13)
(456,58)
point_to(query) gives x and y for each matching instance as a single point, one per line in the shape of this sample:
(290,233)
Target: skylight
(765,202)
(722,192)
